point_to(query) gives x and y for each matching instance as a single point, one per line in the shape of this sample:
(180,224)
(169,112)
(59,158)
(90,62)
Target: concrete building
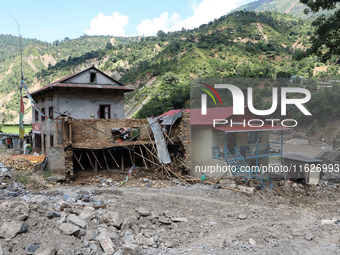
(236,146)
(89,94)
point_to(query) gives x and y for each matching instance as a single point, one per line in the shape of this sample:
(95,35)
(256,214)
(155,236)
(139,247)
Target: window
(43,112)
(104,112)
(50,98)
(51,140)
(50,112)
(36,115)
(92,77)
(43,100)
(254,137)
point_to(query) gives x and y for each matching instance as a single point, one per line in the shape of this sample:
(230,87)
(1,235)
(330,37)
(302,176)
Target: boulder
(11,229)
(69,229)
(74,219)
(111,219)
(106,243)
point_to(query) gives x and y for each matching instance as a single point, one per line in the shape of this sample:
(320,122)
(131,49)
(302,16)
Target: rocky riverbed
(196,219)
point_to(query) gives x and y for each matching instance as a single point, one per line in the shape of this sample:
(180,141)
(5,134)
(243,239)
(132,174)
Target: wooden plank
(122,160)
(107,165)
(90,160)
(143,157)
(74,154)
(113,158)
(97,159)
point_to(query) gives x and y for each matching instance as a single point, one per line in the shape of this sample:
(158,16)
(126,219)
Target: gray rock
(11,193)
(22,217)
(11,229)
(130,249)
(61,252)
(143,212)
(32,247)
(164,220)
(106,243)
(70,196)
(180,219)
(48,251)
(168,244)
(81,233)
(145,180)
(87,214)
(74,219)
(52,214)
(1,251)
(242,216)
(252,241)
(128,238)
(56,178)
(309,237)
(69,229)
(142,240)
(111,219)
(89,236)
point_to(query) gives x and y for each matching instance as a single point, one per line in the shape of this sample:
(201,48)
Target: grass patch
(26,179)
(46,174)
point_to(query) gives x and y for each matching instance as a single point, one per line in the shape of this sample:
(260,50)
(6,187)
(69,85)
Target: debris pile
(18,163)
(184,219)
(22,162)
(32,158)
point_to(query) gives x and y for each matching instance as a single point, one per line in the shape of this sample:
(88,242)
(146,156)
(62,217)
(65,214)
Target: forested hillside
(293,7)
(241,44)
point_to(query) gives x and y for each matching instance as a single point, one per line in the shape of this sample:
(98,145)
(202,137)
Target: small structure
(302,167)
(89,94)
(10,133)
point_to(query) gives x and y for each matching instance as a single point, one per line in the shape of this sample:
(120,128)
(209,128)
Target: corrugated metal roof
(204,120)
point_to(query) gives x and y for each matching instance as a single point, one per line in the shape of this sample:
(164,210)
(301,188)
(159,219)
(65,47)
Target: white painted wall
(84,78)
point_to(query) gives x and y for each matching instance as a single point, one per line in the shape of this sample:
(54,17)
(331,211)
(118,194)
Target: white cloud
(164,22)
(203,12)
(206,11)
(108,25)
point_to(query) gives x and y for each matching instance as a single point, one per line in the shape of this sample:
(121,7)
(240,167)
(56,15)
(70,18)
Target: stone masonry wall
(184,134)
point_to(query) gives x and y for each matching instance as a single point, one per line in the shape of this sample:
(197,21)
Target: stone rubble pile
(96,227)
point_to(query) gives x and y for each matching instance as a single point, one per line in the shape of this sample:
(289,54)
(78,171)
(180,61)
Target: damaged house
(239,147)
(84,128)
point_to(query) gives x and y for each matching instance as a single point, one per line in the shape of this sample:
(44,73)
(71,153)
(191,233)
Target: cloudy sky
(55,20)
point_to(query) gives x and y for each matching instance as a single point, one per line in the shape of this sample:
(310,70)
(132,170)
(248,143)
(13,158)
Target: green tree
(109,46)
(161,35)
(326,38)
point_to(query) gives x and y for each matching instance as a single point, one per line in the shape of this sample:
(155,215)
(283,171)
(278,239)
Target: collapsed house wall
(94,137)
(184,133)
(83,132)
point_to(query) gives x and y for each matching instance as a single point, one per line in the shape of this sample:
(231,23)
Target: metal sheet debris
(162,149)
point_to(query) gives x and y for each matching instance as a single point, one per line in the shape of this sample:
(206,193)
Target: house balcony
(249,151)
